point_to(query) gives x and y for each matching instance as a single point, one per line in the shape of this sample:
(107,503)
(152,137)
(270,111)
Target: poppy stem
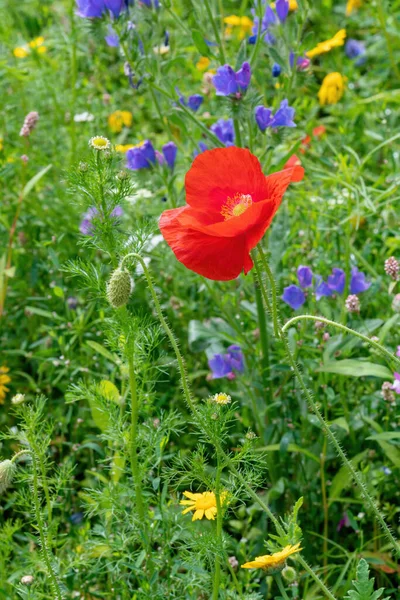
(262,325)
(215,441)
(133,439)
(217,572)
(357,477)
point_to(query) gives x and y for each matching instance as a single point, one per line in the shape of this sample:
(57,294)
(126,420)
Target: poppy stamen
(236,206)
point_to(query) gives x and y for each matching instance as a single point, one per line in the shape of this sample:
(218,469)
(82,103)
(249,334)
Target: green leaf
(343,478)
(290,448)
(385,435)
(200,43)
(363,585)
(32,182)
(391,452)
(103,351)
(356,368)
(99,414)
(57,291)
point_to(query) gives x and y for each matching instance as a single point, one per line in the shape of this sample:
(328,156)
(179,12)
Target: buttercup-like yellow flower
(221,398)
(1,144)
(242,25)
(119,119)
(4,379)
(204,504)
(322,47)
(273,561)
(202,63)
(123,147)
(37,44)
(352,5)
(20,52)
(332,89)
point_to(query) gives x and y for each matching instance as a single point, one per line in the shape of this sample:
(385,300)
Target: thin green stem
(268,272)
(217,572)
(236,126)
(312,404)
(133,439)
(262,325)
(41,528)
(253,58)
(346,329)
(216,30)
(216,442)
(281,586)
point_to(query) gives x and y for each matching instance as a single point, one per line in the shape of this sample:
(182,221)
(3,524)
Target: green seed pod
(7,471)
(289,574)
(119,288)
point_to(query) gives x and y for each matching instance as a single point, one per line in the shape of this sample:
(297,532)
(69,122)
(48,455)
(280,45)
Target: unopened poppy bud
(7,470)
(27,580)
(289,574)
(119,288)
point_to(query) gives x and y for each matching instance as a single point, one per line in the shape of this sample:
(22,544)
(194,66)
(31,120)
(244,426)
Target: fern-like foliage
(364,586)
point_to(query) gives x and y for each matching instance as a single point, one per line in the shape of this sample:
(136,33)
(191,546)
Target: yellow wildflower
(243,26)
(123,147)
(20,52)
(37,44)
(4,379)
(332,88)
(352,5)
(322,47)
(1,144)
(203,63)
(221,398)
(98,142)
(119,119)
(202,504)
(273,561)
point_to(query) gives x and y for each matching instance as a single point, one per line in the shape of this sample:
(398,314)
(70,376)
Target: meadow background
(98,441)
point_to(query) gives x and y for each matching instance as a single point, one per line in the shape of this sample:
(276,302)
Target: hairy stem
(133,440)
(217,572)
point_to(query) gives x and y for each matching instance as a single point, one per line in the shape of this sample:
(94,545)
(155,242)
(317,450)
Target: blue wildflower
(358,282)
(169,151)
(90,9)
(337,280)
(282,9)
(263,117)
(293,296)
(322,288)
(302,62)
(284,116)
(141,156)
(224,365)
(386,470)
(276,70)
(112,39)
(150,3)
(193,102)
(227,82)
(304,275)
(355,50)
(224,131)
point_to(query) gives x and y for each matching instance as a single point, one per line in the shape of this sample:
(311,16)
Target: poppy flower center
(236,206)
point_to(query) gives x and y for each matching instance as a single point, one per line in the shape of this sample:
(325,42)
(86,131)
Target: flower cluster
(226,365)
(37,45)
(294,296)
(119,119)
(144,156)
(227,82)
(282,118)
(29,124)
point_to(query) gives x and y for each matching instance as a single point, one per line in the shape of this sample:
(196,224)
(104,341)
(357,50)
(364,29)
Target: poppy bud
(27,580)
(289,574)
(119,288)
(7,470)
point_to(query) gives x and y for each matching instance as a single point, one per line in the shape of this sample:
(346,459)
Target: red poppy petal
(221,259)
(277,183)
(218,174)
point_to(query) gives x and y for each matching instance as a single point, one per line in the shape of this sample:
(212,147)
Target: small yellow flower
(242,25)
(119,119)
(322,47)
(273,561)
(20,52)
(352,5)
(37,43)
(1,144)
(204,504)
(221,398)
(4,379)
(202,63)
(332,89)
(99,143)
(123,147)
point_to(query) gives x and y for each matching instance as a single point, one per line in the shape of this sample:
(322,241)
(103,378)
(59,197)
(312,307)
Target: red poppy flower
(316,132)
(230,205)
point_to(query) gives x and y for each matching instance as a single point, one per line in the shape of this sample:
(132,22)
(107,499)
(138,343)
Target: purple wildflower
(398,351)
(344,522)
(224,131)
(141,156)
(263,117)
(284,116)
(150,3)
(355,50)
(112,39)
(169,151)
(268,20)
(358,283)
(282,9)
(276,70)
(337,280)
(293,296)
(193,102)
(90,9)
(396,383)
(304,275)
(322,288)
(224,365)
(227,82)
